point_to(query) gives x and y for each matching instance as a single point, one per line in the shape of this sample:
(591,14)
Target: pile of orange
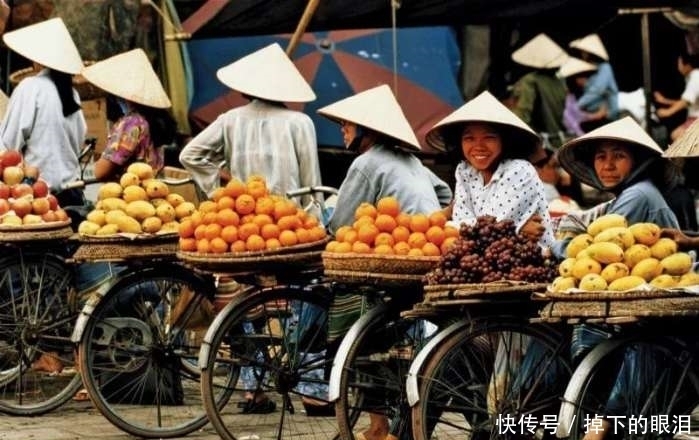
(243,217)
(384,229)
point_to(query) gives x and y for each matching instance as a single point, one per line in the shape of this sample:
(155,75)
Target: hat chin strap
(358,138)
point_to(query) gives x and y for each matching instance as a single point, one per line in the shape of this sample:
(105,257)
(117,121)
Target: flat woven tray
(379,264)
(649,307)
(441,292)
(137,239)
(627,295)
(383,279)
(126,250)
(41,231)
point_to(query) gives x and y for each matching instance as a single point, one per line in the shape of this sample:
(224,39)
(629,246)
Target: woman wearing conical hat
(576,73)
(540,94)
(145,126)
(374,125)
(601,91)
(493,176)
(44,120)
(263,137)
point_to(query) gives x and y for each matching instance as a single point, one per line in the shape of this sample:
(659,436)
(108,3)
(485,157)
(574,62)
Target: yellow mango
(565,268)
(88,228)
(664,281)
(584,266)
(606,222)
(614,271)
(561,284)
(109,190)
(636,253)
(108,229)
(647,269)
(129,225)
(626,283)
(592,282)
(577,244)
(677,264)
(645,233)
(663,248)
(140,210)
(606,252)
(618,235)
(688,279)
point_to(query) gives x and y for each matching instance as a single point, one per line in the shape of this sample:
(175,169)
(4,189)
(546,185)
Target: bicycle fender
(412,387)
(373,315)
(577,381)
(89,307)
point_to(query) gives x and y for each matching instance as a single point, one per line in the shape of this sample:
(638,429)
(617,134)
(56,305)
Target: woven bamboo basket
(648,307)
(38,232)
(379,264)
(442,292)
(382,279)
(125,248)
(626,295)
(85,89)
(303,255)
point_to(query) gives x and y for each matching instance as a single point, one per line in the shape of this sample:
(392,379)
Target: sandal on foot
(265,406)
(324,410)
(81,396)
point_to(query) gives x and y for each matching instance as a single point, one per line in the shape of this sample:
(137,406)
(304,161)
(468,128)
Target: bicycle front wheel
(138,352)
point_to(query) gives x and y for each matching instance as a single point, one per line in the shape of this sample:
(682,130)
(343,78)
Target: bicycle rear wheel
(37,362)
(499,371)
(272,341)
(139,360)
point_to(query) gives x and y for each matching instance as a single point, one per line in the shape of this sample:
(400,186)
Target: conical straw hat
(574,66)
(485,108)
(541,52)
(687,145)
(48,43)
(129,75)
(376,109)
(591,44)
(268,74)
(576,155)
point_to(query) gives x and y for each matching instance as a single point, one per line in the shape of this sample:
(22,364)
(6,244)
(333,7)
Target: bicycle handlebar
(311,190)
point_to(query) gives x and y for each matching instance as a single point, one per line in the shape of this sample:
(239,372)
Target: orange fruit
(255,243)
(256,178)
(310,222)
(229,234)
(245,204)
(289,222)
(248,229)
(264,205)
(283,207)
(226,217)
(272,243)
(419,223)
(331,246)
(431,250)
(217,194)
(257,189)
(435,235)
(384,238)
(200,231)
(218,245)
(238,246)
(365,209)
(247,218)
(343,248)
(363,220)
(303,235)
(203,246)
(288,238)
(389,206)
(417,240)
(226,202)
(212,231)
(401,248)
(196,218)
(262,219)
(401,233)
(317,233)
(269,231)
(351,236)
(450,231)
(185,229)
(384,249)
(367,233)
(415,252)
(446,244)
(208,206)
(385,223)
(403,219)
(234,188)
(188,244)
(209,218)
(438,218)
(341,231)
(359,247)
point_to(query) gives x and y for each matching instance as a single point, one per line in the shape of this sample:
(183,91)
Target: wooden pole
(301,27)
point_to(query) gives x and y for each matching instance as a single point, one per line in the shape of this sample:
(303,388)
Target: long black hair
(64,85)
(162,125)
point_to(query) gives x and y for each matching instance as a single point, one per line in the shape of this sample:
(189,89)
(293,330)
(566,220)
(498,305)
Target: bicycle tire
(36,321)
(132,352)
(665,383)
(461,395)
(260,331)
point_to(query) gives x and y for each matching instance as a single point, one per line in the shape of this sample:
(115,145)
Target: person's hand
(659,98)
(533,228)
(677,236)
(663,112)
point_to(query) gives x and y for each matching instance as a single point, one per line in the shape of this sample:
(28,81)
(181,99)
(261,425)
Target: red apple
(49,216)
(40,206)
(4,206)
(4,191)
(12,175)
(41,188)
(31,171)
(21,190)
(21,207)
(11,158)
(53,202)
(61,215)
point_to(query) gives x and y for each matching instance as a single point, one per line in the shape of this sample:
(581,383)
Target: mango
(626,283)
(109,190)
(112,204)
(175,199)
(561,284)
(97,216)
(615,271)
(606,252)
(157,189)
(172,226)
(565,268)
(606,222)
(688,279)
(151,225)
(647,269)
(140,210)
(584,266)
(636,253)
(129,225)
(129,179)
(664,281)
(112,217)
(133,193)
(618,235)
(677,264)
(645,233)
(663,248)
(592,282)
(165,212)
(108,229)
(577,244)
(88,228)
(141,169)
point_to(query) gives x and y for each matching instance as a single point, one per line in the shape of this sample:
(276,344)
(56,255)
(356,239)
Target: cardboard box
(95,111)
(186,189)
